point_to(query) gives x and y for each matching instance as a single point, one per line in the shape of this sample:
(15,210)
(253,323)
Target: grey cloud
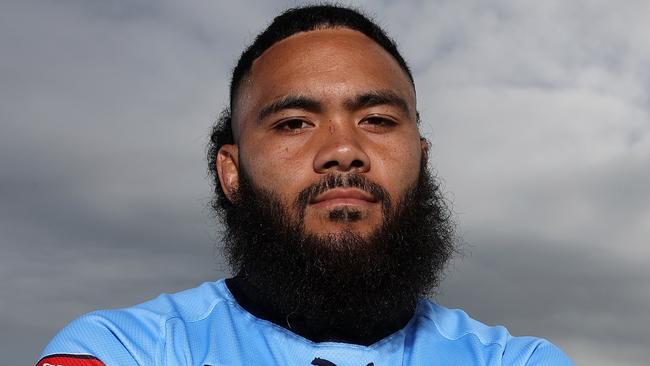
(572,297)
(538,113)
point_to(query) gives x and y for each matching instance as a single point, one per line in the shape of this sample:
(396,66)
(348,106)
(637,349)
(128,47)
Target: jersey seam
(203,316)
(128,349)
(443,333)
(539,344)
(162,336)
(176,315)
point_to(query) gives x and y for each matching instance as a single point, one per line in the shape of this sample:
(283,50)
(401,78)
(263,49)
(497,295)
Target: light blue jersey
(206,326)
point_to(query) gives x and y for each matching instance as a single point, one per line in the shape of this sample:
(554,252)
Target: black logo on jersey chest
(323,362)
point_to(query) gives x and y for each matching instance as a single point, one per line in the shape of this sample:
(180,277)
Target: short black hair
(290,22)
(308,18)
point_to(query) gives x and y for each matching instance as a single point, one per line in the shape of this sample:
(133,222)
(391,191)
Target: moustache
(352,180)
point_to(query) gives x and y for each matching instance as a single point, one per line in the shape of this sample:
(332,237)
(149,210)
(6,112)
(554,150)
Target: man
(334,227)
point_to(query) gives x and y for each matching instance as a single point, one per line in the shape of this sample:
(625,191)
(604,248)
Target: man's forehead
(322,50)
(341,36)
(324,61)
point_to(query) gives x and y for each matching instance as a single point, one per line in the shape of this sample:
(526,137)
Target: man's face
(335,221)
(321,103)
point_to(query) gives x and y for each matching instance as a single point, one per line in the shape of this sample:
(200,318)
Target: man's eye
(378,121)
(292,125)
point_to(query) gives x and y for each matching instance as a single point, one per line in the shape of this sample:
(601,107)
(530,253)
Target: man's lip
(344,195)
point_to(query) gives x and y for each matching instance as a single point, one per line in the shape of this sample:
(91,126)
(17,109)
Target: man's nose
(341,152)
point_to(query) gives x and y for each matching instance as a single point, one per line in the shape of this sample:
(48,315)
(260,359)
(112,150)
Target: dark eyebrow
(290,102)
(378,97)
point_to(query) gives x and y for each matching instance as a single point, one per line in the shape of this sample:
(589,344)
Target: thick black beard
(340,287)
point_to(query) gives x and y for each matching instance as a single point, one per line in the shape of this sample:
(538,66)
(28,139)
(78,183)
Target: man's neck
(250,298)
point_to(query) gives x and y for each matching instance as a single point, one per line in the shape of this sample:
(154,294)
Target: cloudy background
(538,112)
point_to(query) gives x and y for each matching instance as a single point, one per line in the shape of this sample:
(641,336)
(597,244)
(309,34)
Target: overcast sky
(539,114)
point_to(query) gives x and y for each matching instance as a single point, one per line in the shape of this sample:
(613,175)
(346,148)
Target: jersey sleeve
(547,353)
(104,338)
(529,351)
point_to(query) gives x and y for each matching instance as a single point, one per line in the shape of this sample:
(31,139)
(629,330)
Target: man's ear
(424,143)
(228,169)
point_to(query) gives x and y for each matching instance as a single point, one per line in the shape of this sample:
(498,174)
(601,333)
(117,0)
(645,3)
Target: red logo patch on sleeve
(70,360)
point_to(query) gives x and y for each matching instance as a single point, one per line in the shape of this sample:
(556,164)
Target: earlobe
(227,168)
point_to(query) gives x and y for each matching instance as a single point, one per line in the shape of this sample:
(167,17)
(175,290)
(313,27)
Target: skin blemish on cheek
(332,129)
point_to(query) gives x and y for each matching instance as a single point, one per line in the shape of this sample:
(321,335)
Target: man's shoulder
(189,305)
(461,331)
(132,335)
(456,324)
